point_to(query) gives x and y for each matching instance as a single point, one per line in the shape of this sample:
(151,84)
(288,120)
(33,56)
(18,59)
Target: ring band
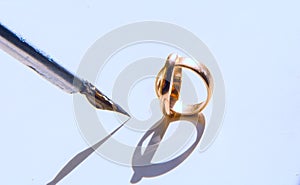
(168,84)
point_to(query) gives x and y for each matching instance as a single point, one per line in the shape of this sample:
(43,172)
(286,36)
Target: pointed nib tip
(99,100)
(119,109)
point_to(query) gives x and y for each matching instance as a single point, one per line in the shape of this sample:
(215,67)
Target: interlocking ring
(168,84)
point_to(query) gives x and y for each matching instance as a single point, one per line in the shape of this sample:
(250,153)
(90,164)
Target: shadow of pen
(141,163)
(79,158)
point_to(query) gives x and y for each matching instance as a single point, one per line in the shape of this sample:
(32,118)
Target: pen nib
(99,100)
(118,108)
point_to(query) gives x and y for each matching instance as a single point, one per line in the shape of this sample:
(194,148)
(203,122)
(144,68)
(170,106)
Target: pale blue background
(256,44)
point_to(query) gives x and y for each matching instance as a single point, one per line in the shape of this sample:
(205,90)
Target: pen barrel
(39,62)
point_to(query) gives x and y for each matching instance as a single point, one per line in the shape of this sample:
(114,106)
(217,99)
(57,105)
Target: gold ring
(168,84)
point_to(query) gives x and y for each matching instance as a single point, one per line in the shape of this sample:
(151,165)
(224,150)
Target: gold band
(168,84)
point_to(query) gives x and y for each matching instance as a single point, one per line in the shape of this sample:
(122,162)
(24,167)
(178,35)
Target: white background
(256,44)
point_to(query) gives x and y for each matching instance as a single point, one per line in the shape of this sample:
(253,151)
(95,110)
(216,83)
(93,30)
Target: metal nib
(99,100)
(118,108)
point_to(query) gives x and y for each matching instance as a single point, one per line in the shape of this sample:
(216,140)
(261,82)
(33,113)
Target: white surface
(256,45)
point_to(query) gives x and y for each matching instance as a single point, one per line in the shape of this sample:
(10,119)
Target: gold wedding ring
(168,84)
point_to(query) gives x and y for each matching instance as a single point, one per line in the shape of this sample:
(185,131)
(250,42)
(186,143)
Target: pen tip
(118,108)
(99,100)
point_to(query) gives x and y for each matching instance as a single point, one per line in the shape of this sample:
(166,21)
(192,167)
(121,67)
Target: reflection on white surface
(256,44)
